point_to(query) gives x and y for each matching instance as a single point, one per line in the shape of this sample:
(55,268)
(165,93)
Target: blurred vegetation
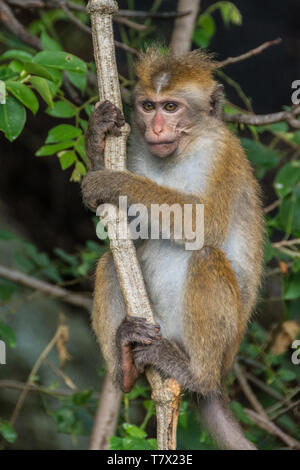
(39,82)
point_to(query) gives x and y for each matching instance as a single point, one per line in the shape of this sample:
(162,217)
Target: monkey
(180,152)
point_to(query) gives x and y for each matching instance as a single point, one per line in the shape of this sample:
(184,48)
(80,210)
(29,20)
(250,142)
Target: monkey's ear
(216,101)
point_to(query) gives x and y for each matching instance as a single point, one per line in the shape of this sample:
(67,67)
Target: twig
(281,412)
(130,23)
(251,53)
(181,40)
(265,388)
(271,428)
(8,19)
(260,416)
(265,119)
(165,393)
(14,384)
(34,370)
(45,287)
(106,417)
(272,206)
(165,15)
(248,391)
(295,241)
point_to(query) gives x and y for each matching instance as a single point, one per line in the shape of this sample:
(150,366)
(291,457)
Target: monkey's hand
(103,186)
(106,118)
(133,331)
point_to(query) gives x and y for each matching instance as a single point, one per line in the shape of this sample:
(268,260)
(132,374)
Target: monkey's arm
(107,185)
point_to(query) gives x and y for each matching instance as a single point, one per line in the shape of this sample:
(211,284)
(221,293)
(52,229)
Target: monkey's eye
(148,106)
(170,107)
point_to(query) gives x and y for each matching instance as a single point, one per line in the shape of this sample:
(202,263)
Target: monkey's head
(175,97)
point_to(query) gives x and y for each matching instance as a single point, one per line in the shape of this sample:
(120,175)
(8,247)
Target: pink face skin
(165,122)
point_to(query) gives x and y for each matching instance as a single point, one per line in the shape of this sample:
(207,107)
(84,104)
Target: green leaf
(230,13)
(2,92)
(287,178)
(4,235)
(7,289)
(12,118)
(239,412)
(260,156)
(206,29)
(66,159)
(81,398)
(78,80)
(289,212)
(40,71)
(24,94)
(49,44)
(80,148)
(62,132)
(292,287)
(8,335)
(286,375)
(78,172)
(42,87)
(8,432)
(53,149)
(70,259)
(134,431)
(17,55)
(61,109)
(60,60)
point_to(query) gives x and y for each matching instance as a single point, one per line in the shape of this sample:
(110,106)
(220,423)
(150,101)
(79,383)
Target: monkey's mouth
(163,142)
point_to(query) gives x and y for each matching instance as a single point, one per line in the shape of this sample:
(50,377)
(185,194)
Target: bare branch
(248,391)
(272,206)
(164,15)
(10,22)
(181,40)
(265,119)
(123,251)
(130,23)
(46,288)
(271,428)
(251,53)
(295,241)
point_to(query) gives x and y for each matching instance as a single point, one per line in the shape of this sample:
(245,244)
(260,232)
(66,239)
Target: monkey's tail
(221,424)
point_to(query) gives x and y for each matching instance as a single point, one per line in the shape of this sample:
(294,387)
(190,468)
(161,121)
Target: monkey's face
(164,121)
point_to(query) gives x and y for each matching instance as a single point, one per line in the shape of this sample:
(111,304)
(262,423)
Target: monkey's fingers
(137,330)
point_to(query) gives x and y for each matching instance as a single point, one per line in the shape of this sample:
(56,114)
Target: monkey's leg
(105,118)
(211,327)
(115,331)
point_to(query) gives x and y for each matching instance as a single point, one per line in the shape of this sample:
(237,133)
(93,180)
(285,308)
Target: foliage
(39,82)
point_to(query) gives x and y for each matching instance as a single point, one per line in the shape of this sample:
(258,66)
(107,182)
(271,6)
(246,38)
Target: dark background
(38,194)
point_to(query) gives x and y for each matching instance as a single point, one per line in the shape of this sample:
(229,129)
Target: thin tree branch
(165,392)
(265,119)
(271,428)
(260,416)
(34,370)
(251,53)
(74,6)
(181,40)
(272,206)
(248,391)
(15,385)
(46,288)
(10,22)
(295,241)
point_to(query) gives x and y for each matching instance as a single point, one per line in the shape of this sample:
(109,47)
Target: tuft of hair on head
(159,69)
